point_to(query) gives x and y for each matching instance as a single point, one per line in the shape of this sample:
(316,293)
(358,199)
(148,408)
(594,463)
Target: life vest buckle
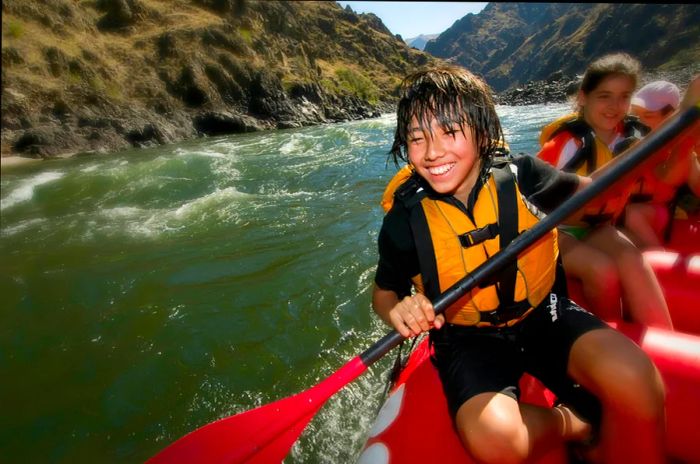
(503,315)
(477,236)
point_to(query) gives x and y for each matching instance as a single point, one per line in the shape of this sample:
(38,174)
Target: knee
(496,440)
(639,390)
(628,256)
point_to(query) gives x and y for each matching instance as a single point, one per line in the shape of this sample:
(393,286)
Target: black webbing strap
(508,230)
(586,152)
(425,251)
(410,194)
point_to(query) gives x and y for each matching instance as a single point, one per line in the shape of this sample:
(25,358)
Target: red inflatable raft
(414,423)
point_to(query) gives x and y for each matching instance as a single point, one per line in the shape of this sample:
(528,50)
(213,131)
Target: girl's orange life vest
(592,154)
(459,245)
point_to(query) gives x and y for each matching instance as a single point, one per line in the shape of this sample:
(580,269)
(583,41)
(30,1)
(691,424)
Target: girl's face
(606,105)
(447,159)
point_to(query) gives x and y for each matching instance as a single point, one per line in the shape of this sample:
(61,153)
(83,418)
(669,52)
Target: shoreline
(13,161)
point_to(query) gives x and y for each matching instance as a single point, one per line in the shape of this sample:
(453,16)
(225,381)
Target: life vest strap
(508,231)
(586,152)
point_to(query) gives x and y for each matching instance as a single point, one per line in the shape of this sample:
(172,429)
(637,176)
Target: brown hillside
(107,74)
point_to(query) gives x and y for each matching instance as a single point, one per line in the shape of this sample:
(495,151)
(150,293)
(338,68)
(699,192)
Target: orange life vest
(450,245)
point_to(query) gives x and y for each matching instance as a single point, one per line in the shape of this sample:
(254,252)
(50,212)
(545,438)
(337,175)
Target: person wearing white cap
(655,101)
(646,219)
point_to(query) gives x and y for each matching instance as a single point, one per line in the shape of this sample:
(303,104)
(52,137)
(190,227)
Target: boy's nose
(433,150)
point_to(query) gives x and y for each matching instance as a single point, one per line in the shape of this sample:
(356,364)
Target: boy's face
(606,105)
(447,159)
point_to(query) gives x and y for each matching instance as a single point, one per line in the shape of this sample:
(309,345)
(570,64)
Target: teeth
(438,170)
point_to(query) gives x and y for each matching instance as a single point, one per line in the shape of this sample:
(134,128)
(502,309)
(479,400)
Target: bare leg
(640,221)
(631,391)
(598,274)
(496,429)
(641,290)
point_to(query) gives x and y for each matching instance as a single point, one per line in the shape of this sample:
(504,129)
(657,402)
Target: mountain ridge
(511,44)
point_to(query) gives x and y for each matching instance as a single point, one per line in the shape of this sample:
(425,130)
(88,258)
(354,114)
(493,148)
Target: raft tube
(414,424)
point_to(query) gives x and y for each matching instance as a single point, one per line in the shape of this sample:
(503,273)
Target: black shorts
(474,360)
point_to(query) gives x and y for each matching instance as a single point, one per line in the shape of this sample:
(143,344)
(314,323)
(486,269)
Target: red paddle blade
(261,435)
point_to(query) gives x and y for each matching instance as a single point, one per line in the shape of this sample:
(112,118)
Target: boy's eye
(415,140)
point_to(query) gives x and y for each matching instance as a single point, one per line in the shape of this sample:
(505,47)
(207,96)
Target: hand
(692,93)
(414,315)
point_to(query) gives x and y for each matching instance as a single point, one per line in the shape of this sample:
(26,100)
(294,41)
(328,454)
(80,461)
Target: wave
(210,202)
(25,190)
(219,206)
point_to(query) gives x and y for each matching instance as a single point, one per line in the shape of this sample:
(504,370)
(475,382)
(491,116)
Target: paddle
(267,433)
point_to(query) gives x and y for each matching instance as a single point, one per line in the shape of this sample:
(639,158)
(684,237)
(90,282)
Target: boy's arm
(383,301)
(575,219)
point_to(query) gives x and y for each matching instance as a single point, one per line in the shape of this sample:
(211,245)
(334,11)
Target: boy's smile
(446,157)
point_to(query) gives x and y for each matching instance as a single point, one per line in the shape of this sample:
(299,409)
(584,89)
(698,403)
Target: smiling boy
(458,208)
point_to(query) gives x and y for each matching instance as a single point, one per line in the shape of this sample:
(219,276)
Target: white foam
(121,212)
(25,191)
(294,145)
(21,227)
(206,202)
(205,154)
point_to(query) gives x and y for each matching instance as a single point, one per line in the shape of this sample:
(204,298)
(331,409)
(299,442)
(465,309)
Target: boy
(457,209)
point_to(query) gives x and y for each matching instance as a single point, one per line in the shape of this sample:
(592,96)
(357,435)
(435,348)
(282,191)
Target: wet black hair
(450,94)
(607,65)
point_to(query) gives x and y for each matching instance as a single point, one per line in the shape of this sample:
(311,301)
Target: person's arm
(398,262)
(676,168)
(692,93)
(694,175)
(547,187)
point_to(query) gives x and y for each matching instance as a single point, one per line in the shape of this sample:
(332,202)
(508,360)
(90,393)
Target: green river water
(149,292)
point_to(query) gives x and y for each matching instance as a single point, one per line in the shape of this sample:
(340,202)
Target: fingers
(439,321)
(414,315)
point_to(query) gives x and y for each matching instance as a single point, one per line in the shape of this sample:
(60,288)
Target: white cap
(656,95)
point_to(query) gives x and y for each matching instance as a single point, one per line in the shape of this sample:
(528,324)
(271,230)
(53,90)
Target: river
(148,292)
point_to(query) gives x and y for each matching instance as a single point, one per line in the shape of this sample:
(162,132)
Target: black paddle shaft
(633,157)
